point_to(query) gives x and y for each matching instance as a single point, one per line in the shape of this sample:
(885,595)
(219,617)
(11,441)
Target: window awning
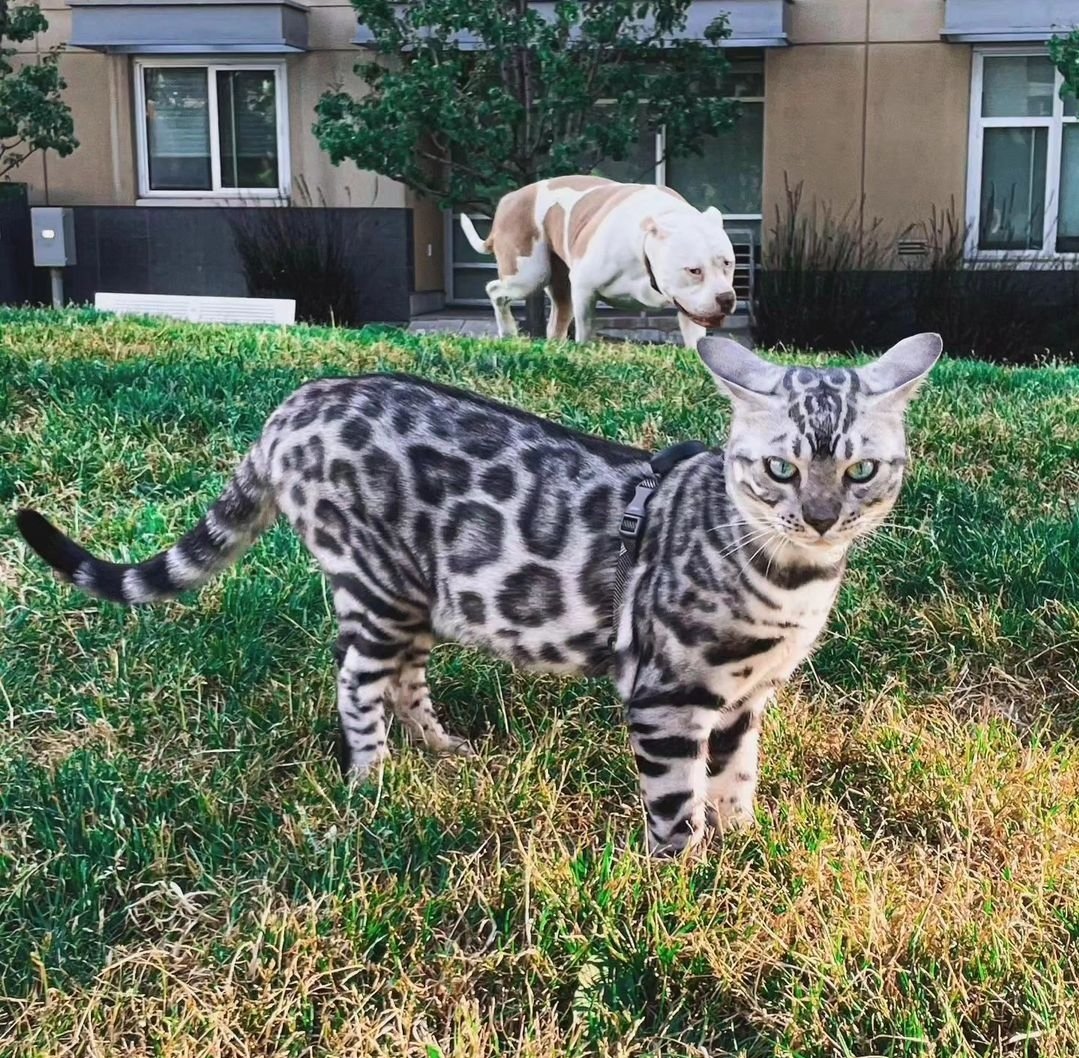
(190,27)
(753,23)
(1008,21)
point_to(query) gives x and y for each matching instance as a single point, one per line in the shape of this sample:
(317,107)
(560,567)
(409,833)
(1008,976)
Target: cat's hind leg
(374,642)
(411,699)
(366,673)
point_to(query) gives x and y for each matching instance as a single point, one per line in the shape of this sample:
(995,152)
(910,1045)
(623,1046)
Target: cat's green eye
(862,471)
(780,469)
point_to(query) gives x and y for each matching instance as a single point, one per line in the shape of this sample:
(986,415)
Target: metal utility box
(54,236)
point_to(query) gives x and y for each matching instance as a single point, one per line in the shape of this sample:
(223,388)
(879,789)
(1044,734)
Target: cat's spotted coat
(440,515)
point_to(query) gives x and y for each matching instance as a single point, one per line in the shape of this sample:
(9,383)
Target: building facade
(894,108)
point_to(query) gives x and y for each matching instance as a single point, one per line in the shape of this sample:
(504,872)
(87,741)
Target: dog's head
(692,263)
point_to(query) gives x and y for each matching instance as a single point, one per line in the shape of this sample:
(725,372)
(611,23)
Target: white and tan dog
(584,238)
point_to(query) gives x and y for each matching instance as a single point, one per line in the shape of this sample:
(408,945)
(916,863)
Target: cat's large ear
(744,375)
(903,368)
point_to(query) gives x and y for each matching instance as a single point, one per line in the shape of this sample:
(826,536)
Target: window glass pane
(728,174)
(1013,189)
(745,79)
(1017,86)
(178,129)
(462,248)
(1071,110)
(1068,218)
(638,167)
(470,284)
(247,123)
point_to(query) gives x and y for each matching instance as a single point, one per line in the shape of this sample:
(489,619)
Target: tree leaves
(1064,51)
(468,99)
(33,116)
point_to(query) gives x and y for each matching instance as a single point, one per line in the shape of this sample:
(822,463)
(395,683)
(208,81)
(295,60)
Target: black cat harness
(631,528)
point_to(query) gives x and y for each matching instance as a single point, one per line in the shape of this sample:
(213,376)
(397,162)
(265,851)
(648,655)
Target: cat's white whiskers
(772,535)
(728,525)
(744,541)
(772,557)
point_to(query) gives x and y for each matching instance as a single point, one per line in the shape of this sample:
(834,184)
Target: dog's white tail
(473,236)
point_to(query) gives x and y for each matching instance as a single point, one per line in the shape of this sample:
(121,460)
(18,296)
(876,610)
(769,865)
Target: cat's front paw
(362,769)
(686,834)
(728,814)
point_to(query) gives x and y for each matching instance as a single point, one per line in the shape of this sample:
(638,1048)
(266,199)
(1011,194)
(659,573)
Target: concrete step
(643,330)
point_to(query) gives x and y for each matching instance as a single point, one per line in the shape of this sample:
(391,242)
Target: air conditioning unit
(745,264)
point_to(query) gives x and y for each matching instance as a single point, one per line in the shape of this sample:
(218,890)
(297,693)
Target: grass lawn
(183,873)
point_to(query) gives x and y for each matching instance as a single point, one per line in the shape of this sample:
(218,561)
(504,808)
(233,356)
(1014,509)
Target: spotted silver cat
(438,514)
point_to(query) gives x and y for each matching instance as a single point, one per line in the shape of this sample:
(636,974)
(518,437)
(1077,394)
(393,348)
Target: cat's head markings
(816,455)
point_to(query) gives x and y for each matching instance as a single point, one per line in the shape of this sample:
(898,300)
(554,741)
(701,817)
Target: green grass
(182,871)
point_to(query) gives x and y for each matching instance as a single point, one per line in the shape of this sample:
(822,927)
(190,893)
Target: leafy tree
(1064,51)
(33,116)
(468,99)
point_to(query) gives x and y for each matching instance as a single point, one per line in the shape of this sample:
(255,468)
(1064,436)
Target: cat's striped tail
(239,515)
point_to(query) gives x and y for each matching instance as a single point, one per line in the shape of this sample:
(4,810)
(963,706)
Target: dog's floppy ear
(713,214)
(744,375)
(651,227)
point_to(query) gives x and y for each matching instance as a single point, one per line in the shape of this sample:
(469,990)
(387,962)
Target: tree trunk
(536,314)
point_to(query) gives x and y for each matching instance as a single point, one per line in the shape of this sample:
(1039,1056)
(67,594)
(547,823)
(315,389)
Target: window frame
(661,161)
(1054,124)
(660,168)
(217,191)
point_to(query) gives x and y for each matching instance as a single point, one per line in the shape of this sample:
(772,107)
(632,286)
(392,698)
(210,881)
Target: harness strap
(631,528)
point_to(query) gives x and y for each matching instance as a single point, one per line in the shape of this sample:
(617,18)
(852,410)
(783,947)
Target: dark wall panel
(177,250)
(16,253)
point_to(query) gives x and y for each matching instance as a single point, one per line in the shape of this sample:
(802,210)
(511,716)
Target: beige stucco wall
(917,114)
(104,169)
(906,20)
(856,21)
(827,21)
(309,76)
(813,123)
(327,64)
(868,109)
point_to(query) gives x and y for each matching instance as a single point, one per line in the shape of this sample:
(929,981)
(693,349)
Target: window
(728,173)
(1023,184)
(211,129)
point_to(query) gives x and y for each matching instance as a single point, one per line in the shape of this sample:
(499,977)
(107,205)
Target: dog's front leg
(584,307)
(692,332)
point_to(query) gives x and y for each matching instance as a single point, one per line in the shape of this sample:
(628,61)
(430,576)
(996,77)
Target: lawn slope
(183,873)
